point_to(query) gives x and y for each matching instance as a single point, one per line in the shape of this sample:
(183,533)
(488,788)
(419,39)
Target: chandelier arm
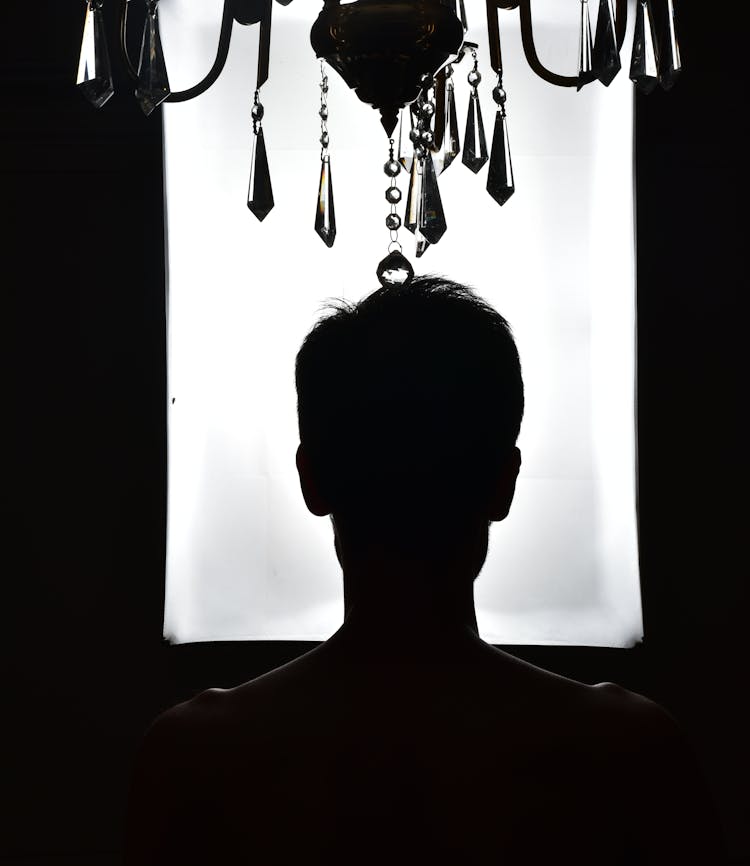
(129,68)
(493,35)
(529,49)
(222,51)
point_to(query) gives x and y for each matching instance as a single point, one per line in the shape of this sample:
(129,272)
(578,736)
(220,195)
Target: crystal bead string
(325,216)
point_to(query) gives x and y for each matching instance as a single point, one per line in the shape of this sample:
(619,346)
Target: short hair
(409,399)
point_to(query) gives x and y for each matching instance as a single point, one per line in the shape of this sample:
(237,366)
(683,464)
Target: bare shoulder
(671,804)
(161,779)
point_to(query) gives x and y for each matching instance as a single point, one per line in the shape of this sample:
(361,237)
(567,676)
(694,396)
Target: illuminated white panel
(245,559)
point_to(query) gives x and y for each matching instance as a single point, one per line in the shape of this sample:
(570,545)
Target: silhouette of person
(405,738)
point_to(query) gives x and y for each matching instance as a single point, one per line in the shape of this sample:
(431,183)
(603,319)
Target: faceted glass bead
(500,173)
(325,216)
(395,270)
(644,65)
(670,66)
(153,85)
(94,71)
(585,67)
(259,194)
(427,109)
(393,195)
(432,223)
(606,57)
(475,143)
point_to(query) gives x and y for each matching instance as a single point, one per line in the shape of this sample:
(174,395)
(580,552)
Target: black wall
(84,510)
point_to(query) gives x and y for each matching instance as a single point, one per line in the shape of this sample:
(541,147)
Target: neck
(411,604)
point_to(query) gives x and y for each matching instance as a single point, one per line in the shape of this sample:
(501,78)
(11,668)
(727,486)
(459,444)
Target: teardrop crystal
(606,56)
(451,145)
(671,62)
(585,65)
(432,223)
(94,71)
(153,85)
(259,194)
(325,216)
(500,173)
(414,196)
(415,202)
(475,144)
(438,131)
(644,64)
(395,270)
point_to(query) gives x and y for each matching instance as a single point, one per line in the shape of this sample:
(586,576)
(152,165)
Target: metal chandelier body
(399,57)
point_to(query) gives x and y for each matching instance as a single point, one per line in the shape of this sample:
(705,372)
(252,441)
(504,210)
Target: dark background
(84,510)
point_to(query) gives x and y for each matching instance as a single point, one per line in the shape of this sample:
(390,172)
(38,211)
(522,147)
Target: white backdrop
(245,560)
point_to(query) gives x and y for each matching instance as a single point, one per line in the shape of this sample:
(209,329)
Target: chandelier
(400,57)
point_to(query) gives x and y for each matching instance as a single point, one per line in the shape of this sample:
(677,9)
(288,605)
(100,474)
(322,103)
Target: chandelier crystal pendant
(475,143)
(644,63)
(586,73)
(153,84)
(447,142)
(606,54)
(671,66)
(94,77)
(325,215)
(500,175)
(259,192)
(399,58)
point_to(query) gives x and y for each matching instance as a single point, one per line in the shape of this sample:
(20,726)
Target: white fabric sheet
(245,560)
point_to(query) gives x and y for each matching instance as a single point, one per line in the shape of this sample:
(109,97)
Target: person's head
(409,404)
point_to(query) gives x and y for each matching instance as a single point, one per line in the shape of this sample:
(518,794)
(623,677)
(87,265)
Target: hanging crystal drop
(500,173)
(259,193)
(671,63)
(475,143)
(432,223)
(451,145)
(153,85)
(606,56)
(395,270)
(586,73)
(94,72)
(644,67)
(325,216)
(415,202)
(413,197)
(438,131)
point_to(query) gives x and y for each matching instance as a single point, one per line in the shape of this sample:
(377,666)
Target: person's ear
(313,500)
(505,486)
